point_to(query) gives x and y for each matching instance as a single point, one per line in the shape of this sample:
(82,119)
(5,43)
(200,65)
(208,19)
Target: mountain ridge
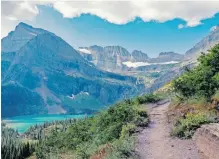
(203,45)
(114,58)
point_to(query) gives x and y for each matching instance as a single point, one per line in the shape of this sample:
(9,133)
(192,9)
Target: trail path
(155,141)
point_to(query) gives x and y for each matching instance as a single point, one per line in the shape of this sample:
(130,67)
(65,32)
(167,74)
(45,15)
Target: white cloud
(213,28)
(13,12)
(118,12)
(19,10)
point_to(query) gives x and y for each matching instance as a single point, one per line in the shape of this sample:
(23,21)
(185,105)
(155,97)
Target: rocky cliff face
(207,141)
(167,57)
(50,69)
(107,58)
(118,59)
(138,56)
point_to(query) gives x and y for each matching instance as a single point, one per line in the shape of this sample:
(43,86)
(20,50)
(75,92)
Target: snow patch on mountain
(86,51)
(140,64)
(33,34)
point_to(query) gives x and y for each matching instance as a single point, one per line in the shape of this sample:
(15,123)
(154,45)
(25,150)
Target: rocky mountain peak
(20,36)
(116,50)
(23,25)
(170,53)
(168,57)
(139,56)
(96,48)
(138,52)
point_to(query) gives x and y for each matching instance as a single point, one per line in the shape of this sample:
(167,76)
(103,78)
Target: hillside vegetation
(196,94)
(108,134)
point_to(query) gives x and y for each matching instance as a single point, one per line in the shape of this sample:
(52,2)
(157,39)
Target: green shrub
(216,95)
(122,149)
(148,98)
(127,130)
(113,126)
(203,80)
(142,112)
(142,122)
(201,101)
(185,128)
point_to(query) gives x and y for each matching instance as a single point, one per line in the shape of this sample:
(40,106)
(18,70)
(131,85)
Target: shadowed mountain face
(45,68)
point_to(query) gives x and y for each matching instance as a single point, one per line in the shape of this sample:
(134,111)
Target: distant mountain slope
(47,66)
(190,59)
(138,56)
(204,45)
(167,57)
(106,58)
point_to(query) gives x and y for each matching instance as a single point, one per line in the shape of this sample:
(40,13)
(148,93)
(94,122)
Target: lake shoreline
(23,123)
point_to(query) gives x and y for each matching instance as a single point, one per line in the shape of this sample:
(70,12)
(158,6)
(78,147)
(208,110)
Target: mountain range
(119,59)
(190,59)
(41,73)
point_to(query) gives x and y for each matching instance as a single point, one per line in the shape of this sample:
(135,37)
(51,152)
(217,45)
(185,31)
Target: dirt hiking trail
(155,142)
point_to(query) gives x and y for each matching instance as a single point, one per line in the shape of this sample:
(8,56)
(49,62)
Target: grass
(185,128)
(190,114)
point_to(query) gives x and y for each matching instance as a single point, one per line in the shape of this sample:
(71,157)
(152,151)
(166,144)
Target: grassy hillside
(196,95)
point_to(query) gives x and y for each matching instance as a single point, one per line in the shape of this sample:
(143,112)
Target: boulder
(207,141)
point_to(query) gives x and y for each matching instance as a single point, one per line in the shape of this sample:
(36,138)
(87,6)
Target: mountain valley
(64,80)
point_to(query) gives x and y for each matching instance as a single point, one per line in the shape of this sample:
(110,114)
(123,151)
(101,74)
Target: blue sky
(151,36)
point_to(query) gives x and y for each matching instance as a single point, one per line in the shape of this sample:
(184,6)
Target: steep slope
(139,56)
(48,66)
(204,45)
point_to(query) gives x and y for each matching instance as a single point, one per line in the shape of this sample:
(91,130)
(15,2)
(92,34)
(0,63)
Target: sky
(149,26)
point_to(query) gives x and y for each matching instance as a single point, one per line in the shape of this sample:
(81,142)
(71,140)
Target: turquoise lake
(22,123)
